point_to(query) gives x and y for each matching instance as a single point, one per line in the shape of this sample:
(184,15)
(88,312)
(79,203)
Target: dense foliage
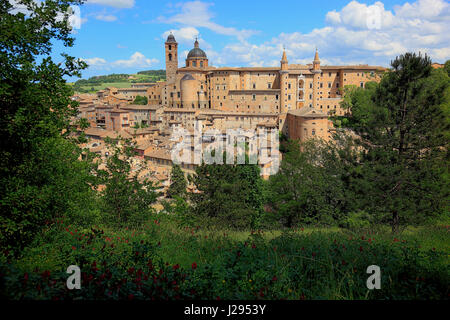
(159,262)
(229,195)
(140,100)
(178,183)
(38,163)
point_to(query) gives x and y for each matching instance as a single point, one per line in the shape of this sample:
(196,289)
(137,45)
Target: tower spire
(284,58)
(316,56)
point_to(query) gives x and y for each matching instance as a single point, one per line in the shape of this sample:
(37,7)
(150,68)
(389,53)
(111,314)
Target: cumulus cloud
(106,17)
(113,3)
(95,62)
(197,14)
(357,34)
(183,35)
(137,60)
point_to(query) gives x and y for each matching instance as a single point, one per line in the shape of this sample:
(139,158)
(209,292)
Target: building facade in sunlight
(248,97)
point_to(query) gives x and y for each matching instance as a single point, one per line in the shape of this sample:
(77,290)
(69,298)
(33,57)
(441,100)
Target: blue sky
(128,35)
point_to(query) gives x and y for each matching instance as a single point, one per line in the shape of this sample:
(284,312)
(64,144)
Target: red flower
(74,248)
(130,296)
(274,278)
(194,265)
(175,267)
(361,248)
(313,254)
(253,246)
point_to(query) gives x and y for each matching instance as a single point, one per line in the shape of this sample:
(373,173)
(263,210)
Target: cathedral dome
(196,52)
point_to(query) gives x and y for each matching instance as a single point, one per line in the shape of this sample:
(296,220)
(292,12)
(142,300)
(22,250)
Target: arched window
(170,47)
(170,57)
(201,64)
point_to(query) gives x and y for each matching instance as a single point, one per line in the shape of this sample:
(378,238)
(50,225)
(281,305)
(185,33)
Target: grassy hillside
(96,83)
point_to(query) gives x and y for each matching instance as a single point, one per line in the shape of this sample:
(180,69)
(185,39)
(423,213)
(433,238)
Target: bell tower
(316,72)
(171,58)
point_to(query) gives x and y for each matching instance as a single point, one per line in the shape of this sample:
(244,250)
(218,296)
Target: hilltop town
(297,100)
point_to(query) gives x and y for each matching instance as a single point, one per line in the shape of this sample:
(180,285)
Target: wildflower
(74,248)
(175,267)
(194,266)
(250,280)
(253,246)
(274,278)
(290,290)
(361,248)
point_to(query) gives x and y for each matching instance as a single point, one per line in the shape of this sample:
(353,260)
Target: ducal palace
(246,97)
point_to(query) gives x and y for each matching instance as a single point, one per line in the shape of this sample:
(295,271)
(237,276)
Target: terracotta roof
(144,145)
(158,153)
(307,112)
(359,67)
(179,110)
(139,107)
(102,133)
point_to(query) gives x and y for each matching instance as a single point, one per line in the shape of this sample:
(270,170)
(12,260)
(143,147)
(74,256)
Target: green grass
(308,262)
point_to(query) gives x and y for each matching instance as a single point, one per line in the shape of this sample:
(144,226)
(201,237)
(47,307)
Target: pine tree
(178,182)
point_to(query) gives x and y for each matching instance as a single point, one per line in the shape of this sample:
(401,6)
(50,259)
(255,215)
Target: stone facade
(257,91)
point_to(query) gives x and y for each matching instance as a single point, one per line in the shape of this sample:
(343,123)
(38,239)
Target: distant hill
(120,80)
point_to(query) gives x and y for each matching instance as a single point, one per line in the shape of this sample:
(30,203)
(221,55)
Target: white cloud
(95,62)
(106,17)
(183,35)
(113,3)
(137,60)
(352,36)
(197,14)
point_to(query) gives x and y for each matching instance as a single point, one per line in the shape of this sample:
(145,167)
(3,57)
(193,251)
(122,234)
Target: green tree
(402,131)
(447,67)
(38,161)
(126,193)
(308,186)
(140,100)
(229,195)
(178,182)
